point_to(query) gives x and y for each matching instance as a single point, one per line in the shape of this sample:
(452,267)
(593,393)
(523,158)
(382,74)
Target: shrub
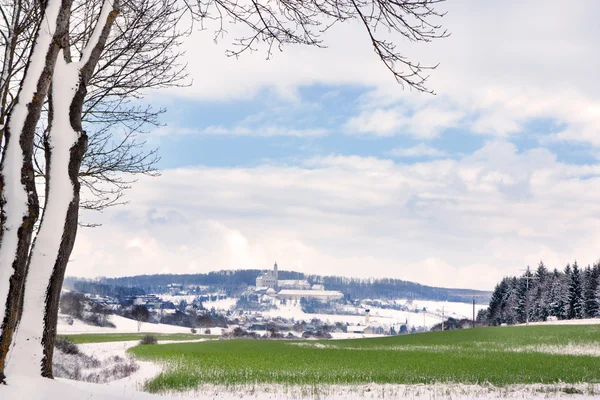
(207,332)
(66,346)
(97,319)
(193,330)
(148,339)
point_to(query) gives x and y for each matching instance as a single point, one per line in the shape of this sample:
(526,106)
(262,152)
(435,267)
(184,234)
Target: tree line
(234,282)
(573,293)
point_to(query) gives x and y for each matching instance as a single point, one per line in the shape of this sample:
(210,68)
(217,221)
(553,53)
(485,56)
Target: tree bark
(72,219)
(18,196)
(64,252)
(33,342)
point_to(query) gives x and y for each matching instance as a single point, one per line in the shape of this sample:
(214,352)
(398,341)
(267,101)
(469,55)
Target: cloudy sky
(319,160)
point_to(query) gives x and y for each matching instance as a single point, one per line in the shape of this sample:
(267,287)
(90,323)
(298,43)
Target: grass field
(501,356)
(119,337)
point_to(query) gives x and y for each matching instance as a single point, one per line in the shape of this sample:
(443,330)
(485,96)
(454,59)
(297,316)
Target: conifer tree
(557,295)
(590,284)
(576,302)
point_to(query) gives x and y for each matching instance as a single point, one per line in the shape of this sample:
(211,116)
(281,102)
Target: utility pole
(527,276)
(442,319)
(473,312)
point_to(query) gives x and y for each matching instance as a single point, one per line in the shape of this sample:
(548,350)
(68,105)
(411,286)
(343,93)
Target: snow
(26,351)
(449,308)
(123,325)
(14,192)
(27,340)
(62,389)
(587,321)
(176,299)
(225,304)
(35,388)
(378,316)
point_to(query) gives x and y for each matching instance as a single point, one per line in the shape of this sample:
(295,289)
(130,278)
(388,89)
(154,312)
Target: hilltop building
(269,283)
(268,279)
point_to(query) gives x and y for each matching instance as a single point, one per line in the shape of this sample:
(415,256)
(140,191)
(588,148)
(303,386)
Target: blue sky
(319,160)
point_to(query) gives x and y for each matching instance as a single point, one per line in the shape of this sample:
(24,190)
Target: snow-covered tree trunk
(33,344)
(18,196)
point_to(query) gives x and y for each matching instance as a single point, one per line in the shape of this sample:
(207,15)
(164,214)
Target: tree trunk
(18,196)
(64,252)
(33,343)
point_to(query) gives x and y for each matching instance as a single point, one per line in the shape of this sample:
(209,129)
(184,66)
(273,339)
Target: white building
(293,285)
(324,295)
(268,278)
(288,289)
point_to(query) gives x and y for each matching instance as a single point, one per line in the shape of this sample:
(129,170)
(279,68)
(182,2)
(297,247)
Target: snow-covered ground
(130,387)
(223,305)
(587,321)
(62,389)
(414,317)
(176,299)
(124,325)
(448,308)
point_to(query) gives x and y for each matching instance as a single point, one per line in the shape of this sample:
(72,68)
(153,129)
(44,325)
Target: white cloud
(464,222)
(425,123)
(239,130)
(420,150)
(499,78)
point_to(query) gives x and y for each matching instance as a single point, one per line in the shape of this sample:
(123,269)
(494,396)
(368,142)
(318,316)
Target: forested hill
(234,282)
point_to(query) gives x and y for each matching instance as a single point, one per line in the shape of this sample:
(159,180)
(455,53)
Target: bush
(207,332)
(148,339)
(66,346)
(97,319)
(319,334)
(193,330)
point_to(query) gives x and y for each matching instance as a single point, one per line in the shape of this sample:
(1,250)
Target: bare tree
(29,291)
(276,23)
(141,315)
(18,199)
(18,23)
(141,53)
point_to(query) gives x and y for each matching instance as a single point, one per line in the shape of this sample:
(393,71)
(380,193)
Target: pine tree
(558,295)
(590,285)
(576,301)
(597,297)
(540,302)
(510,309)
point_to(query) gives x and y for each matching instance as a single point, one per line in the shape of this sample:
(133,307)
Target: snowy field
(123,325)
(380,316)
(61,389)
(131,387)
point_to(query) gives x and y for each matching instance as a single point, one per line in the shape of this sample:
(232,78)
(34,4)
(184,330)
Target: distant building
(268,278)
(324,295)
(293,285)
(268,283)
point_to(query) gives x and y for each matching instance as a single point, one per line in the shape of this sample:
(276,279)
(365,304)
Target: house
(356,328)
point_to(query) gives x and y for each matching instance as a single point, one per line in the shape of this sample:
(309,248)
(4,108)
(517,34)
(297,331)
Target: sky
(319,160)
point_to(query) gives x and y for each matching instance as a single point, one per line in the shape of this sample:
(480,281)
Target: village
(272,307)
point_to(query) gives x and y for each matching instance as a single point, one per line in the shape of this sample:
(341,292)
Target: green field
(501,356)
(119,337)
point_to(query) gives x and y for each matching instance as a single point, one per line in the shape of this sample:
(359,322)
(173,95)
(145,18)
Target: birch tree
(31,275)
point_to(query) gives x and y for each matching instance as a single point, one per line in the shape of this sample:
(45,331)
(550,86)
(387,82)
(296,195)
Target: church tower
(275,273)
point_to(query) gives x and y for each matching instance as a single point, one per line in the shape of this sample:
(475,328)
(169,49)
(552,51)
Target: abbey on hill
(268,283)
